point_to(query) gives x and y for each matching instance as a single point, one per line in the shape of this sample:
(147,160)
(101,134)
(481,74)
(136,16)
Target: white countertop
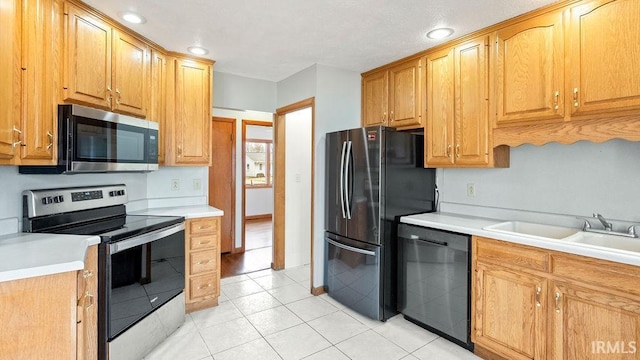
(25,255)
(474,226)
(189,212)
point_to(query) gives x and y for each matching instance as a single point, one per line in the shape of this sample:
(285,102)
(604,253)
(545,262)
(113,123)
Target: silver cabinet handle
(50,135)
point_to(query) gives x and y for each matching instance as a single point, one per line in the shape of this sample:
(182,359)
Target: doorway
(294,186)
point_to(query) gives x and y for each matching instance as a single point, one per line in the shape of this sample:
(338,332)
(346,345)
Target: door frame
(246,122)
(233,178)
(279,181)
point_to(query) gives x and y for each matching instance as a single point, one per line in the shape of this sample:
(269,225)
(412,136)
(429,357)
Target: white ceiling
(273,39)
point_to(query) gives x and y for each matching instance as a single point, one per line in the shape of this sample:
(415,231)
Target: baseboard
(486,353)
(195,306)
(315,291)
(259,217)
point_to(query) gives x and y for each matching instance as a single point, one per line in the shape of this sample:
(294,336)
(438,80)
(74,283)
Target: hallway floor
(258,250)
(271,315)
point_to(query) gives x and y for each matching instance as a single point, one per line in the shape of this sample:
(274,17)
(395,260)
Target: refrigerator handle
(347,169)
(342,171)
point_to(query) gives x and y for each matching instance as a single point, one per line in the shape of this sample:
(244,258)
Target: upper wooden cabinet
(392,96)
(158,99)
(191,134)
(104,67)
(603,57)
(10,73)
(457,131)
(529,71)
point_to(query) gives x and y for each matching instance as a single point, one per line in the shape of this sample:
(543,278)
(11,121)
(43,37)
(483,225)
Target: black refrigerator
(373,176)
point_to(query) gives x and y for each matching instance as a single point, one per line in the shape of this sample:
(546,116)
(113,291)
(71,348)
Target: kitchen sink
(532,230)
(607,241)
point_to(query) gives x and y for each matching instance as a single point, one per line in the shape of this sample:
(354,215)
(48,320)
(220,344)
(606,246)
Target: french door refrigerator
(373,176)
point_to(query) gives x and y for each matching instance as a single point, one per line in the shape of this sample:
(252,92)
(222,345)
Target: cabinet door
(471,103)
(87,58)
(10,75)
(87,344)
(192,113)
(374,98)
(130,74)
(529,70)
(404,94)
(604,39)
(589,324)
(158,100)
(510,312)
(439,135)
(40,41)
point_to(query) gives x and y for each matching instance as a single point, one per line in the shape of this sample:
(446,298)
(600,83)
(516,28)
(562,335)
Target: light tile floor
(271,315)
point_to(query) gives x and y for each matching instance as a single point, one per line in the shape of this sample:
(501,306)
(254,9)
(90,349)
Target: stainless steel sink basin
(606,241)
(532,230)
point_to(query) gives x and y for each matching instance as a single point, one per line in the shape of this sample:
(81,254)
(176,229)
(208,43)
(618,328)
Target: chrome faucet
(607,225)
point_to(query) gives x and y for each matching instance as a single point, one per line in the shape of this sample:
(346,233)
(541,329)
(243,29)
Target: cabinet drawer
(203,242)
(202,261)
(203,226)
(506,253)
(203,286)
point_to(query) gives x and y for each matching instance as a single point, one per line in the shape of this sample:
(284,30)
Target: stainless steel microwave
(96,141)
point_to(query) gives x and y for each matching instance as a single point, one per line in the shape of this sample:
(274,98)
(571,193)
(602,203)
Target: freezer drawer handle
(440,243)
(351,248)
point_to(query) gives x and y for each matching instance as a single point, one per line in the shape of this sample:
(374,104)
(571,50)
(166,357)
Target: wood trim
(200,305)
(246,122)
(259,217)
(296,106)
(234,179)
(315,291)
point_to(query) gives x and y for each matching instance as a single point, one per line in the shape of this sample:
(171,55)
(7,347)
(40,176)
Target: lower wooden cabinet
(51,316)
(202,263)
(530,303)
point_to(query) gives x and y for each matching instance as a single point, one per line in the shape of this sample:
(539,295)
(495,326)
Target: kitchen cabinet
(457,132)
(104,67)
(191,112)
(393,96)
(52,314)
(202,265)
(529,71)
(603,57)
(158,100)
(10,72)
(532,303)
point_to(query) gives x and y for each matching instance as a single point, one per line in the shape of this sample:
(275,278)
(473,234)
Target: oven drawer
(203,286)
(203,261)
(203,242)
(203,226)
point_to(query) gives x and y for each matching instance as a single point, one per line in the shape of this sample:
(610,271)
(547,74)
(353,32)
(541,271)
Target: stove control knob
(44,201)
(47,200)
(112,193)
(120,192)
(58,199)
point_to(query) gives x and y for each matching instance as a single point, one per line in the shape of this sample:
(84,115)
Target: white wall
(242,93)
(239,115)
(298,194)
(299,86)
(573,180)
(159,189)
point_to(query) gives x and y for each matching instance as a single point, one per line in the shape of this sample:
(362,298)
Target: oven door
(142,274)
(102,141)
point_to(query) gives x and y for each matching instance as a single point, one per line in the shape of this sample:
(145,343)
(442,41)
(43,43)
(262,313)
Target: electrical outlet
(197,184)
(175,184)
(471,190)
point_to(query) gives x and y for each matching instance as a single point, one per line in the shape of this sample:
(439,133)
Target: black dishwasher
(434,278)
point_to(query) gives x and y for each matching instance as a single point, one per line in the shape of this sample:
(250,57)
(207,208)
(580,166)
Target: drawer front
(203,242)
(203,226)
(203,261)
(203,286)
(505,253)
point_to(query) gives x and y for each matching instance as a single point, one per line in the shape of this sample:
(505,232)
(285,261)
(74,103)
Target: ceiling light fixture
(197,50)
(132,17)
(439,33)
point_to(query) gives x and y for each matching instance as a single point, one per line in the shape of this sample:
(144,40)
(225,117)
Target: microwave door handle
(347,170)
(344,146)
(119,246)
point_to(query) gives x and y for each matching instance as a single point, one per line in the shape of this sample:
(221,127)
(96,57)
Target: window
(258,158)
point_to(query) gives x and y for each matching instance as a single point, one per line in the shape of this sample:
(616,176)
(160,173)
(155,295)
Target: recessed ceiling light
(132,17)
(439,33)
(197,50)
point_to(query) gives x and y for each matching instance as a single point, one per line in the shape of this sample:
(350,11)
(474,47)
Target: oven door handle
(119,246)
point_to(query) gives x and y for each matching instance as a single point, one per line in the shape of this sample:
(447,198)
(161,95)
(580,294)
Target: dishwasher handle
(439,243)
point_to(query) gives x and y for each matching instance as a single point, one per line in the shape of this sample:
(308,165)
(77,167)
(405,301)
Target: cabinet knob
(87,274)
(448,151)
(204,286)
(538,291)
(19,142)
(88,298)
(575,97)
(557,298)
(50,135)
(391,116)
(203,262)
(179,150)
(457,151)
(556,97)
